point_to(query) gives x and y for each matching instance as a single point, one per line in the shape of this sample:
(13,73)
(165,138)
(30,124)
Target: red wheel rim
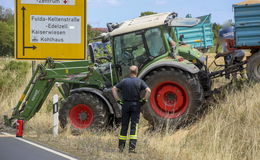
(169,99)
(81,116)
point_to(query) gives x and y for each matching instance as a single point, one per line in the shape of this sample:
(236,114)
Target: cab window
(129,49)
(155,42)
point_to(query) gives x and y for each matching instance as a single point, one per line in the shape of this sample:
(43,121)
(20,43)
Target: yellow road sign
(51,28)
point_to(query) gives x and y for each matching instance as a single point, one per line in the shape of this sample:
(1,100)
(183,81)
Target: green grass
(229,130)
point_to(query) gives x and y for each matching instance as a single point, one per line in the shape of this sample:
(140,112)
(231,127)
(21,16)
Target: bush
(6,39)
(13,74)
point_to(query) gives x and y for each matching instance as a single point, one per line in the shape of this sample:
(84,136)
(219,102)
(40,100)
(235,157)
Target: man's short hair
(133,70)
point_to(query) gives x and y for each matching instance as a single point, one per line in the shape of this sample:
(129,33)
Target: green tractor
(178,77)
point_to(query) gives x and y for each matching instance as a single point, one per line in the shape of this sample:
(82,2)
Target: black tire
(189,87)
(84,106)
(253,68)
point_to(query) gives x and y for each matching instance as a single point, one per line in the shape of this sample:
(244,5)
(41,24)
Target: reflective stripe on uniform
(122,137)
(136,129)
(133,137)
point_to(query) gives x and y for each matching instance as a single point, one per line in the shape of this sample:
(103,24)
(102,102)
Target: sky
(101,12)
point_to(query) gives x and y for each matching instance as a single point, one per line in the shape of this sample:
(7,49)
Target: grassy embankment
(229,130)
(13,76)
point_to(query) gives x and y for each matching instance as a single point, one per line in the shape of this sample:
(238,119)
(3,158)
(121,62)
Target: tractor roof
(141,23)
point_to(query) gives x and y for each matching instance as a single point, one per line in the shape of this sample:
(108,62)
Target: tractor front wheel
(82,111)
(175,99)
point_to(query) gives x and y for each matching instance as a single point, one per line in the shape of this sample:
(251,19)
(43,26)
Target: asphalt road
(12,148)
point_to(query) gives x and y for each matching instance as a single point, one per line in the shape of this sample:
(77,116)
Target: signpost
(51,28)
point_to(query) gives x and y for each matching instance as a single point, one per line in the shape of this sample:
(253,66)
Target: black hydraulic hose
(233,69)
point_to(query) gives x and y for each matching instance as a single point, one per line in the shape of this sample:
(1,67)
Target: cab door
(129,49)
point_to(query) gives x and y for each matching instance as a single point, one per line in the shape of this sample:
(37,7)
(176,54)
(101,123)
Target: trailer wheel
(175,100)
(253,68)
(82,111)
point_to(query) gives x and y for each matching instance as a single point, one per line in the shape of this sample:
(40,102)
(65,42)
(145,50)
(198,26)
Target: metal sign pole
(33,67)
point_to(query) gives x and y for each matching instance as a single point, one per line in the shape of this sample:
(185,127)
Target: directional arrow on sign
(33,47)
(23,20)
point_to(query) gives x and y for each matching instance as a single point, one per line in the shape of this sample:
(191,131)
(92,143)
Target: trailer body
(247,34)
(199,36)
(247,25)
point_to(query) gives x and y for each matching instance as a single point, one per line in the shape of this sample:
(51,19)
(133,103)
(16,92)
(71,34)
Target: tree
(215,28)
(92,34)
(6,39)
(7,15)
(147,13)
(6,32)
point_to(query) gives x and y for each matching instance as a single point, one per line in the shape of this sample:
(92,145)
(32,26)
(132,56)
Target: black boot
(121,145)
(132,145)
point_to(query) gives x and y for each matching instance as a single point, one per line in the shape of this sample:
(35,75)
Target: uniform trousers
(130,112)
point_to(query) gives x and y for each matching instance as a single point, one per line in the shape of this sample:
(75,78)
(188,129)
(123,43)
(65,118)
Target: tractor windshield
(137,48)
(129,49)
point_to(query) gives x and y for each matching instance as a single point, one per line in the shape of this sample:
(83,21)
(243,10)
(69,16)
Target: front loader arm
(41,84)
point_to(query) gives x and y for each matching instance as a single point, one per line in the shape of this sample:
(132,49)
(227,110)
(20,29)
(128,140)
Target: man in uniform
(131,104)
(231,56)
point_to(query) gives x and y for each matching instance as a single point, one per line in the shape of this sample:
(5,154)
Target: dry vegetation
(229,130)
(13,76)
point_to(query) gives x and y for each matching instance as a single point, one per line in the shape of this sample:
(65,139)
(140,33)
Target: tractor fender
(96,92)
(169,63)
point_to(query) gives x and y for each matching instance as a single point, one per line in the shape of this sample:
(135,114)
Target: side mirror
(112,26)
(105,37)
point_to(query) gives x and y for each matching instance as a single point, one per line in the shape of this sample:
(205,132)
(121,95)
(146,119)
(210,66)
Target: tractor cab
(144,40)
(138,48)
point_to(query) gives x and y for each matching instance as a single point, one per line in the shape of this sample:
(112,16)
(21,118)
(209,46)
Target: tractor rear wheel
(253,67)
(176,97)
(82,111)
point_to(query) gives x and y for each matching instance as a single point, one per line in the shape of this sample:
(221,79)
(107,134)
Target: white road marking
(41,147)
